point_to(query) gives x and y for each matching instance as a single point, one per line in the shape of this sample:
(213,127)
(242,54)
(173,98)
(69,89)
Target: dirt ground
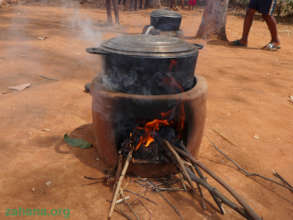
(247,103)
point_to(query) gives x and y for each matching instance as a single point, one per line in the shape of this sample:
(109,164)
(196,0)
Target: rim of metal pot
(159,46)
(165,13)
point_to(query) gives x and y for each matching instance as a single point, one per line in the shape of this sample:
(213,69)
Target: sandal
(271,47)
(237,43)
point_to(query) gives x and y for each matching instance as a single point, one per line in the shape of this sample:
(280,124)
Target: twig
(197,171)
(93,178)
(117,190)
(88,184)
(180,163)
(249,213)
(166,200)
(276,174)
(131,210)
(245,172)
(122,200)
(215,192)
(141,196)
(202,203)
(149,211)
(182,182)
(224,137)
(170,189)
(184,172)
(48,78)
(139,183)
(118,170)
(122,213)
(218,202)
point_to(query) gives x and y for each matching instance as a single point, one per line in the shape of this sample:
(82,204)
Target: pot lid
(148,45)
(165,13)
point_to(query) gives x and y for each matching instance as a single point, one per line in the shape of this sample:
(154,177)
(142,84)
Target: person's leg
(272,25)
(247,25)
(267,8)
(252,8)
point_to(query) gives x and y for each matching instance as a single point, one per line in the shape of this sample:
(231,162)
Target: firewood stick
(92,183)
(203,205)
(118,201)
(197,171)
(141,196)
(224,137)
(248,210)
(180,163)
(182,182)
(117,190)
(146,208)
(218,202)
(93,178)
(131,210)
(276,174)
(122,200)
(214,192)
(118,170)
(245,172)
(122,213)
(166,200)
(211,189)
(170,189)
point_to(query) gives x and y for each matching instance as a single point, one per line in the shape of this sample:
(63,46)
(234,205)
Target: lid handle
(199,46)
(96,50)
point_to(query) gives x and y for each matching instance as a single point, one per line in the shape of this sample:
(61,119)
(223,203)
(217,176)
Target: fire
(149,130)
(167,118)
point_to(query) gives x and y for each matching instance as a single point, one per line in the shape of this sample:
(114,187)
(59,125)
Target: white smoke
(84,24)
(81,22)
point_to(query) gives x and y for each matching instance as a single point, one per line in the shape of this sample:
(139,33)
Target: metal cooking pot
(166,20)
(147,64)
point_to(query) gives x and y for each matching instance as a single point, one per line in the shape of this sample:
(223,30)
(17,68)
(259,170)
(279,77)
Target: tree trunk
(152,4)
(172,4)
(156,3)
(109,11)
(116,11)
(146,4)
(213,24)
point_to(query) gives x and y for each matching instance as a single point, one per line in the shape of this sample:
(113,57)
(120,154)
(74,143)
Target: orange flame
(149,130)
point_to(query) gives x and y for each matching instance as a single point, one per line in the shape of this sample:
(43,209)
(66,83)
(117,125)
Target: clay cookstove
(147,92)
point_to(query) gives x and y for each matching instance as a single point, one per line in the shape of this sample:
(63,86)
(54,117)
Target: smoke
(81,23)
(29,25)
(87,30)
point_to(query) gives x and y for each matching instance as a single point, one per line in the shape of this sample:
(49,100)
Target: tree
(213,24)
(109,4)
(152,4)
(156,3)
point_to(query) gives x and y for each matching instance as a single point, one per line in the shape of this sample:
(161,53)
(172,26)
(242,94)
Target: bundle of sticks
(192,172)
